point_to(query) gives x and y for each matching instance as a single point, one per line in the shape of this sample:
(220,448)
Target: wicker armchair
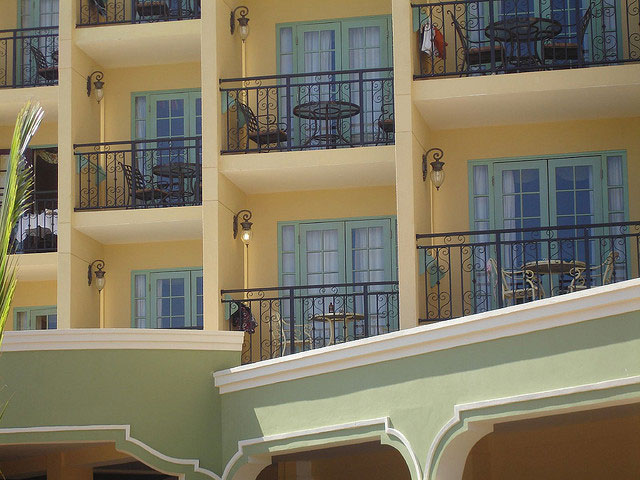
(600,274)
(518,284)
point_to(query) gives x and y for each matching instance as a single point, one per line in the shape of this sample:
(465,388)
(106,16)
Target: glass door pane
(366,48)
(322,259)
(576,199)
(521,194)
(170,302)
(369,259)
(319,50)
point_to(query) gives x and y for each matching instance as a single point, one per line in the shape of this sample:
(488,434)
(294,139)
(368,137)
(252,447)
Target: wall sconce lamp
(98,85)
(99,273)
(436,174)
(245,236)
(243,21)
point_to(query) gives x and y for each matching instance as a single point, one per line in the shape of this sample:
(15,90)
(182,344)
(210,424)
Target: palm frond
(16,199)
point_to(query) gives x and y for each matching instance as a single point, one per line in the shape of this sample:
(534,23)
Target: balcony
(473,272)
(37,230)
(28,57)
(113,12)
(324,110)
(472,37)
(314,316)
(162,172)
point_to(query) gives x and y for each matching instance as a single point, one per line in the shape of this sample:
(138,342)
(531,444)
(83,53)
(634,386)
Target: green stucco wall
(418,393)
(167,397)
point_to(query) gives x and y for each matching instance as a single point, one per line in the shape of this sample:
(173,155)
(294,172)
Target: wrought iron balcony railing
(480,37)
(472,272)
(349,108)
(162,172)
(28,57)
(280,321)
(112,12)
(37,230)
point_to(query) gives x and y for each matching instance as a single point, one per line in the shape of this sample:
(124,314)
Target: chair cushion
(268,136)
(387,125)
(480,55)
(561,51)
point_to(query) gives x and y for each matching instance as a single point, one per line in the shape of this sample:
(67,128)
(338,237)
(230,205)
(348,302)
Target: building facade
(241,260)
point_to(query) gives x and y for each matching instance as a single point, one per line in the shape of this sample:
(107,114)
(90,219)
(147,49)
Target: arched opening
(364,461)
(590,444)
(77,461)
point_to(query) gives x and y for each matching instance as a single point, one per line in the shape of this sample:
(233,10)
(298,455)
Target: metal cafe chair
(552,51)
(475,53)
(142,189)
(263,130)
(517,284)
(46,71)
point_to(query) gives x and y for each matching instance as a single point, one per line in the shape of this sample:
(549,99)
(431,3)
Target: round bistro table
(324,112)
(522,34)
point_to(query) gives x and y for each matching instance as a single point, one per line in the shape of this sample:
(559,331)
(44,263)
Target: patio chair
(518,284)
(101,7)
(152,8)
(569,50)
(386,127)
(46,71)
(602,272)
(476,53)
(263,130)
(143,189)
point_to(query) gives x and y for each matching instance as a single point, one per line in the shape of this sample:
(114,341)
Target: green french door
(576,199)
(353,251)
(541,193)
(170,299)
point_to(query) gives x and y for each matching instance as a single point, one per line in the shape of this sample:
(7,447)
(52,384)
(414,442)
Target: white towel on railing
(427,37)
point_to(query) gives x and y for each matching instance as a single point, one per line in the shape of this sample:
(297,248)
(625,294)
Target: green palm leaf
(16,200)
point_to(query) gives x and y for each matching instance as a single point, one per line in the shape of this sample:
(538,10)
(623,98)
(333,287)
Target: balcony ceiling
(141,225)
(311,169)
(113,46)
(37,267)
(535,97)
(13,99)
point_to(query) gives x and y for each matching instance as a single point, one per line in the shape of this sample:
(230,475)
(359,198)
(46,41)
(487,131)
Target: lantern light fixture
(99,274)
(98,85)
(243,21)
(437,173)
(246,234)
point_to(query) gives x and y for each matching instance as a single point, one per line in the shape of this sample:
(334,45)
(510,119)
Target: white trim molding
(126,429)
(284,437)
(463,410)
(573,308)
(121,339)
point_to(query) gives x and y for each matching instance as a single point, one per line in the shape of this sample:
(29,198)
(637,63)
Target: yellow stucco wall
(9,17)
(269,209)
(451,209)
(120,260)
(32,294)
(265,14)
(121,82)
(47,135)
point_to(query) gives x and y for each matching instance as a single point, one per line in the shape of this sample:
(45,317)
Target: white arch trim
(126,429)
(458,410)
(384,421)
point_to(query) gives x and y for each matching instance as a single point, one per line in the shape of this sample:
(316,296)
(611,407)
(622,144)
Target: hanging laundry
(432,37)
